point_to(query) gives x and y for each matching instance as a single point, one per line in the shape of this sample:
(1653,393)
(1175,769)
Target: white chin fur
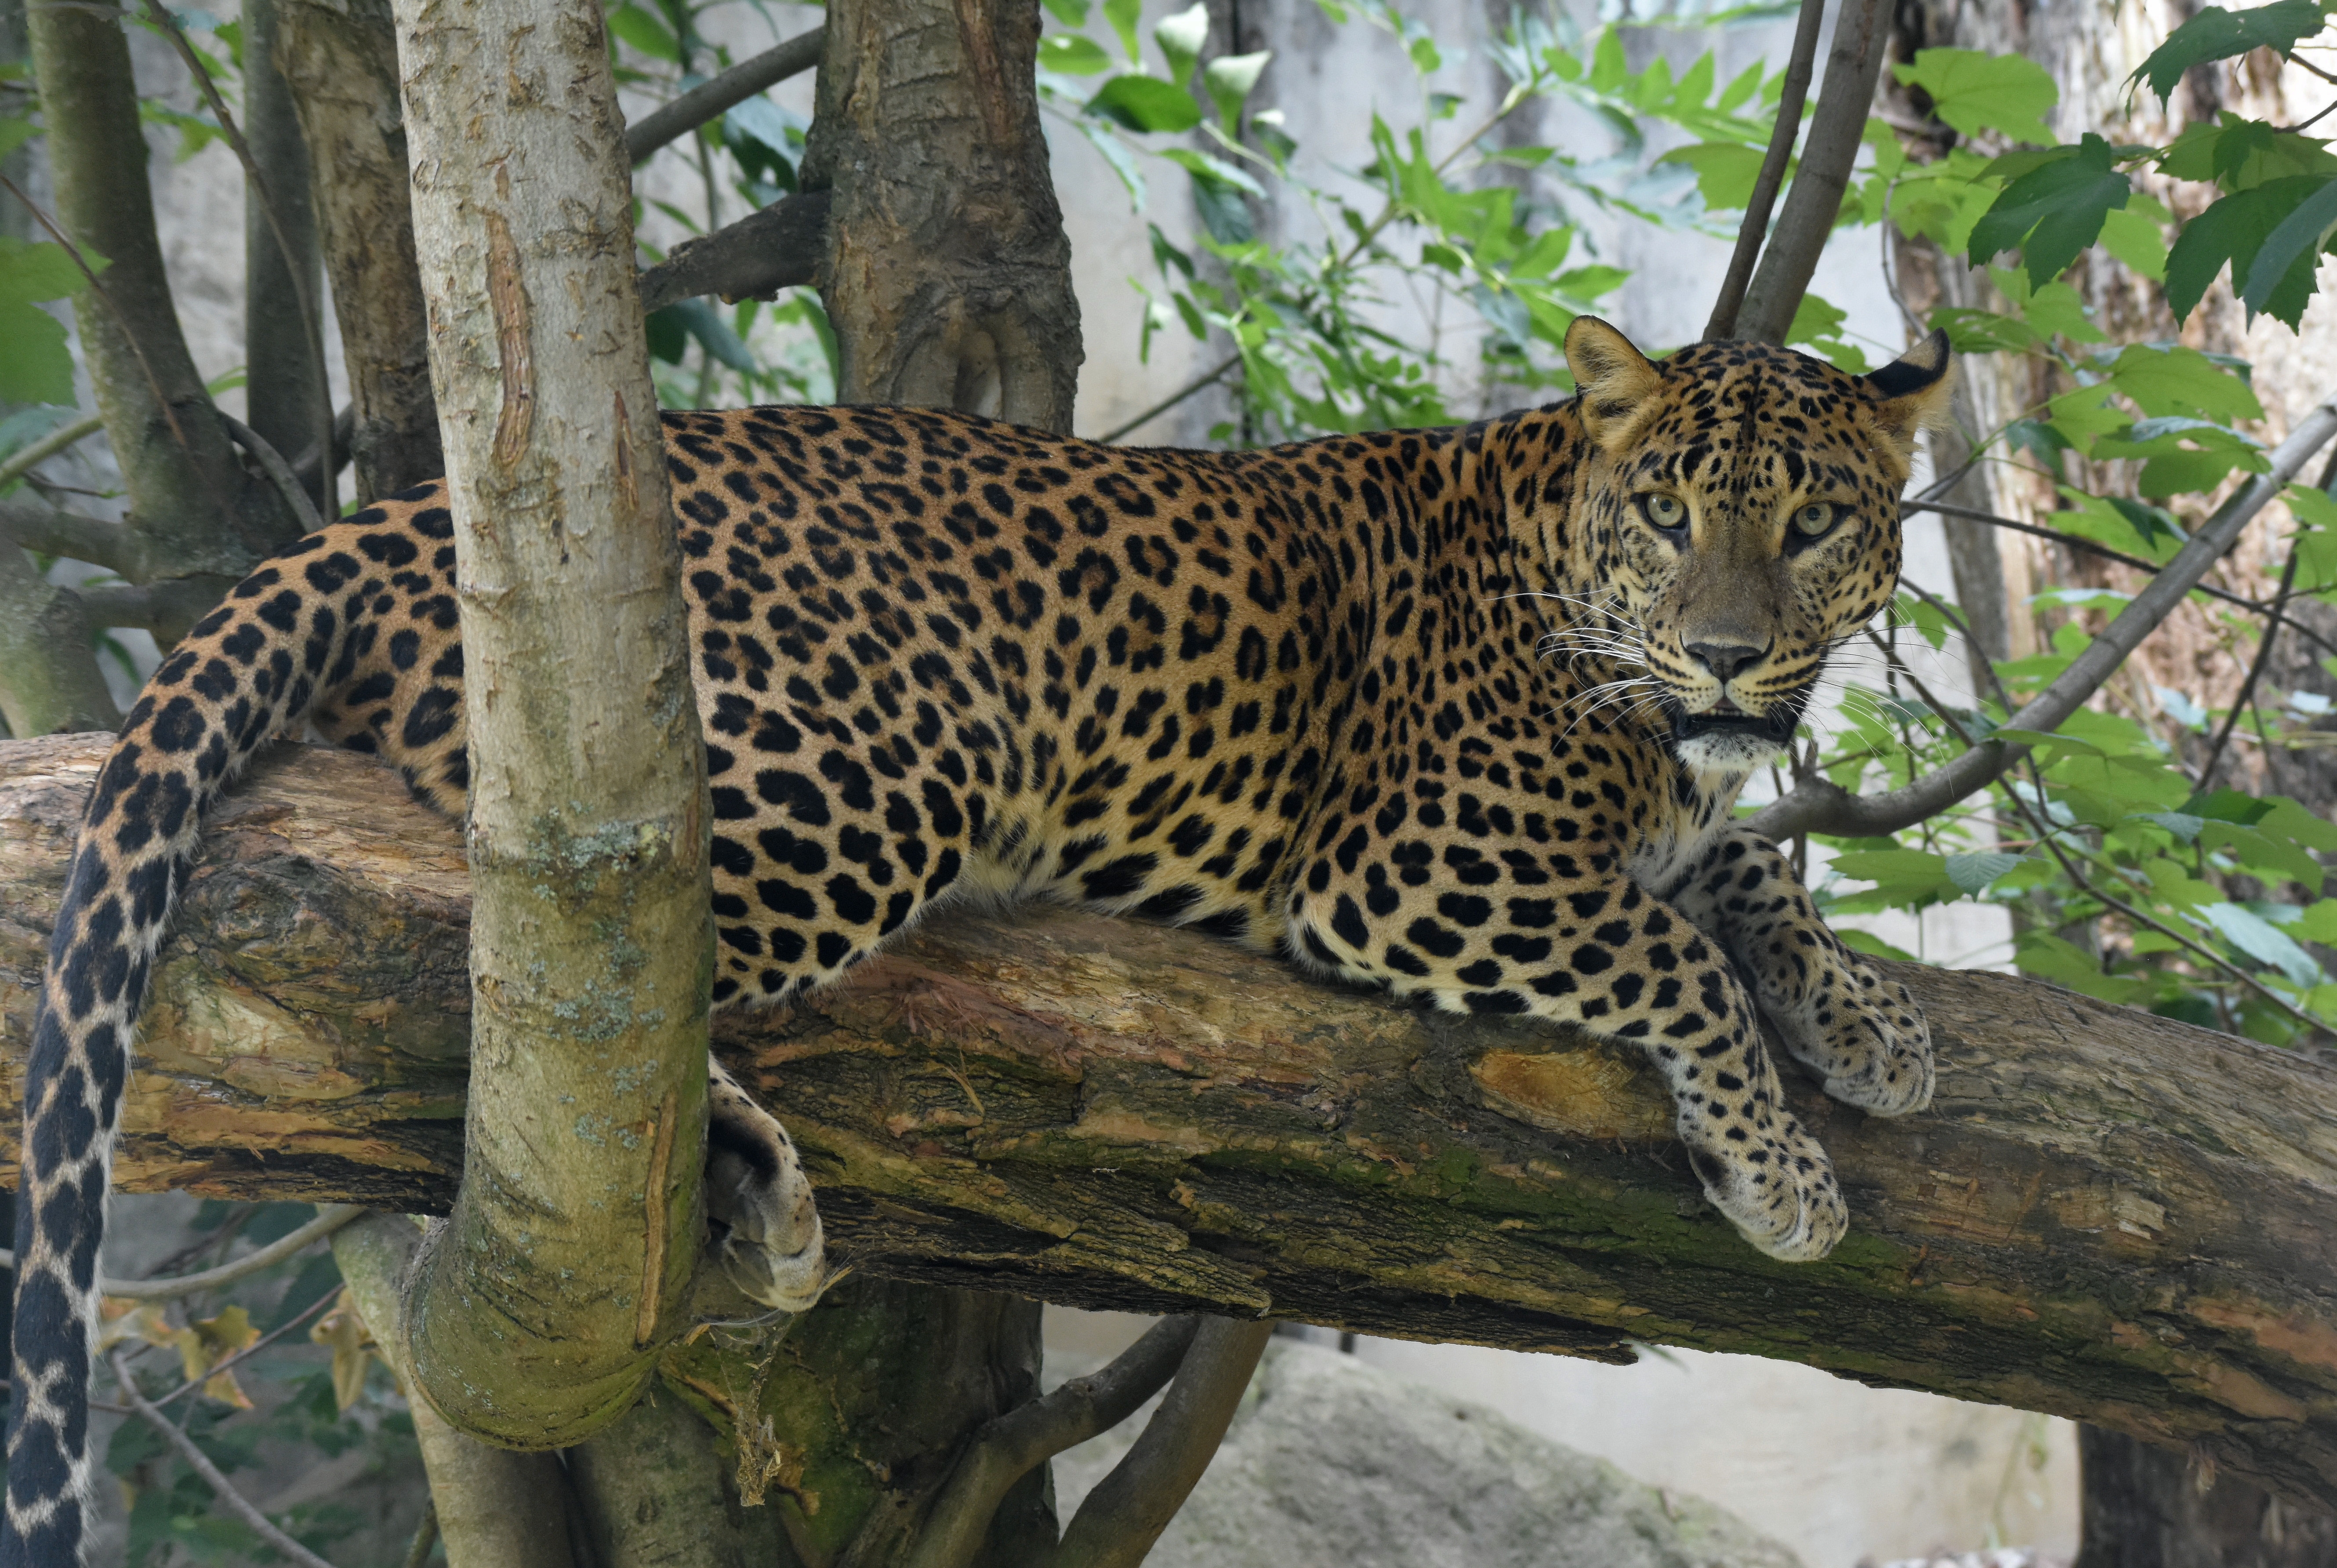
(1726,753)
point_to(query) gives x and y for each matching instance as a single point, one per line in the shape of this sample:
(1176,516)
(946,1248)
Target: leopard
(1460,714)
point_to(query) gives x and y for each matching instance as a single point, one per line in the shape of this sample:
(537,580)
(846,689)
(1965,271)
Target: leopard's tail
(289,633)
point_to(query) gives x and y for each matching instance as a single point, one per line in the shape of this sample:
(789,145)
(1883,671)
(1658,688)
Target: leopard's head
(1742,512)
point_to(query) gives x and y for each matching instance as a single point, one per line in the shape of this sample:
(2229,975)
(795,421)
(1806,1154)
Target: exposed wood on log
(2105,1214)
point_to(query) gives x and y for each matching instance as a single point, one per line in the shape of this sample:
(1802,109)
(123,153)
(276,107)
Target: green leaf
(1122,16)
(1073,54)
(1146,103)
(1213,171)
(1180,37)
(31,271)
(2262,941)
(35,366)
(1984,333)
(15,134)
(2178,380)
(2054,211)
(1229,79)
(646,32)
(1725,170)
(2132,234)
(2215,33)
(2299,239)
(1975,92)
(2235,229)
(1070,13)
(1974,872)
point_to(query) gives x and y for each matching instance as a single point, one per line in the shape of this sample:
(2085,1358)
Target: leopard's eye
(1814,519)
(1664,511)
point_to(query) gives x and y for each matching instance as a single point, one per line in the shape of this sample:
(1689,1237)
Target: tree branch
(1861,30)
(1016,1442)
(1124,1515)
(761,254)
(1756,227)
(2105,1214)
(1817,805)
(711,99)
(26,458)
(330,1219)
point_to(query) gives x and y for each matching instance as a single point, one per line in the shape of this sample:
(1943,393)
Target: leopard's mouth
(1774,727)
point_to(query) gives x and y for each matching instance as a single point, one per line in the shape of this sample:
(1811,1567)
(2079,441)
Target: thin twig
(27,458)
(710,100)
(2079,541)
(89,277)
(1756,227)
(425,1536)
(280,472)
(198,1460)
(330,1217)
(1158,409)
(311,322)
(2256,672)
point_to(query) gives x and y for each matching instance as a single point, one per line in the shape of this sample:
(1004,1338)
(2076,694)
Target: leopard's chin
(1725,738)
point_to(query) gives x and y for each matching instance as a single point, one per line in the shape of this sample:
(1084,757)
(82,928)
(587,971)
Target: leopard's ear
(1912,393)
(1616,382)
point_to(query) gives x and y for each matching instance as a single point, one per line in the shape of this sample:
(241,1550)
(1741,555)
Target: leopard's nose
(1724,658)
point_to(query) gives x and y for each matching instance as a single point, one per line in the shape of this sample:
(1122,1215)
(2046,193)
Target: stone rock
(1331,1464)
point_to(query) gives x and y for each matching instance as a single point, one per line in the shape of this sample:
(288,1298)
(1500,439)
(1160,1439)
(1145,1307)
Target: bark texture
(341,56)
(537,1313)
(2148,1507)
(945,247)
(287,400)
(2104,1215)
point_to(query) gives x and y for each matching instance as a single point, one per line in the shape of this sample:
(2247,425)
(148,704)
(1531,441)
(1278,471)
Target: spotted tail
(294,629)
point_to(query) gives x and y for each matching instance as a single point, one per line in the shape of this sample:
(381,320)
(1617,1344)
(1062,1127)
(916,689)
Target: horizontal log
(2105,1214)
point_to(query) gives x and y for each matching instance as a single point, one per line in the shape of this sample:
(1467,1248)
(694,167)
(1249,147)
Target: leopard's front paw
(765,1228)
(1865,1036)
(1777,1187)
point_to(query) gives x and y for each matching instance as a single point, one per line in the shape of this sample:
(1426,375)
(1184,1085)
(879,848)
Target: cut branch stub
(2105,1214)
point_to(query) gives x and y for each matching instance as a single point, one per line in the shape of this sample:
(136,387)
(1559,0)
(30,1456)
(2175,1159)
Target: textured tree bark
(188,492)
(341,58)
(2148,1507)
(2105,1214)
(945,245)
(289,403)
(537,1313)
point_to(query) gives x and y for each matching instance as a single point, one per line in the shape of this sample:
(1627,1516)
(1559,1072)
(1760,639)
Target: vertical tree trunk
(538,1312)
(288,402)
(947,272)
(340,57)
(2148,1507)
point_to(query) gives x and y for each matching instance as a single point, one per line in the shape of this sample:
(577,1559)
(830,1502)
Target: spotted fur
(1460,713)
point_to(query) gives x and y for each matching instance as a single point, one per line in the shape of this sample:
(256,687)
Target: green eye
(1814,518)
(1664,511)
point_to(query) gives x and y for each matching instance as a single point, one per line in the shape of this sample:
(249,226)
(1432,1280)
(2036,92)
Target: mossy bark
(538,1313)
(2105,1214)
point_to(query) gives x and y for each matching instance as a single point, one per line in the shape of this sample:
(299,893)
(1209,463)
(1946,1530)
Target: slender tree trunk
(340,57)
(2148,1507)
(537,1313)
(189,494)
(286,399)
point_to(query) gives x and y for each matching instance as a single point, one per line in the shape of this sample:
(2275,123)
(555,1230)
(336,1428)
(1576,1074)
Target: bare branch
(1861,31)
(1007,1449)
(280,472)
(200,1463)
(1818,805)
(330,1217)
(27,458)
(2102,552)
(763,252)
(1756,227)
(1199,384)
(1125,1514)
(710,99)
